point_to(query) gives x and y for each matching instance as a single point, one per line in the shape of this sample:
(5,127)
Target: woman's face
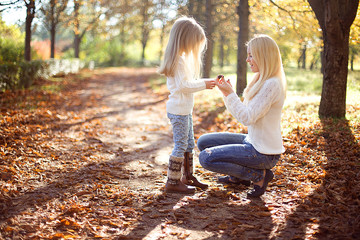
(252,63)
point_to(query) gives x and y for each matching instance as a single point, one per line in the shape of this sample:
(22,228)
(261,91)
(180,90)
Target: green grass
(158,83)
(302,82)
(304,86)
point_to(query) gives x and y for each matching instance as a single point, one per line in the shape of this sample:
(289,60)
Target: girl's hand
(224,86)
(210,84)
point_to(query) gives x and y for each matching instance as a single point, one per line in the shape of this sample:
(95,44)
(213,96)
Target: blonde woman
(181,65)
(249,157)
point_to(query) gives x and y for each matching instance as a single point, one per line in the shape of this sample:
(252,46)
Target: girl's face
(252,63)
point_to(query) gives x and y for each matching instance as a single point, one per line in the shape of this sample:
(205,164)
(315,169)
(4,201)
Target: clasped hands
(224,85)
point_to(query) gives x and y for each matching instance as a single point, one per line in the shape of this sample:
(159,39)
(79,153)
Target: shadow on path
(213,214)
(332,210)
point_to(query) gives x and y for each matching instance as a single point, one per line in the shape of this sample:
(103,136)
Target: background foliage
(114,30)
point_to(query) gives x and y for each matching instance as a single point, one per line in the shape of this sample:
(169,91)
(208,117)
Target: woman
(249,157)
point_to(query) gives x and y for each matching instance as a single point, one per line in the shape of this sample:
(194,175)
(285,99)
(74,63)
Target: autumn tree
(354,40)
(243,36)
(53,13)
(225,34)
(86,16)
(163,8)
(203,12)
(209,26)
(76,21)
(292,26)
(121,25)
(30,15)
(208,13)
(146,16)
(5,5)
(200,11)
(123,13)
(335,18)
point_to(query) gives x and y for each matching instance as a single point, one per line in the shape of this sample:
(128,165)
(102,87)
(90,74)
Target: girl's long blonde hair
(266,54)
(187,38)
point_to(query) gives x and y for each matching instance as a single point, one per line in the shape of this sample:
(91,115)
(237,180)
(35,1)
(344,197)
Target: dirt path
(134,125)
(133,129)
(90,161)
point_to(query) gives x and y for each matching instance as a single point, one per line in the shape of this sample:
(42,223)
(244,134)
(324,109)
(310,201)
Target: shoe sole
(186,192)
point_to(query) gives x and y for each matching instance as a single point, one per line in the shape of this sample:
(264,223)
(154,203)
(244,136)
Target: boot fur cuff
(174,170)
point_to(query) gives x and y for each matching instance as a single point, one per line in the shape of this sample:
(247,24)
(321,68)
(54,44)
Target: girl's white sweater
(262,115)
(182,87)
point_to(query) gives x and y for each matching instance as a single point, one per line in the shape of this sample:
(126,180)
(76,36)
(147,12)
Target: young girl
(181,65)
(249,157)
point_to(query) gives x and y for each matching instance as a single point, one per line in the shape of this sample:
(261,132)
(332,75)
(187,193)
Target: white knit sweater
(262,115)
(182,87)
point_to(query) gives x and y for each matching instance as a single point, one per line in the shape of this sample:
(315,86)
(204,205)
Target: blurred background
(132,33)
(73,34)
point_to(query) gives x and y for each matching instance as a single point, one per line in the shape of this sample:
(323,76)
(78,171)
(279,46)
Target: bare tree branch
(8,4)
(288,11)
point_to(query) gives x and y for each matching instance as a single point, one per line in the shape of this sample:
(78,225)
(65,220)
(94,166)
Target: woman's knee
(203,141)
(203,158)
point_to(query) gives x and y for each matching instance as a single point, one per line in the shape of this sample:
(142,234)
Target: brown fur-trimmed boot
(173,184)
(188,178)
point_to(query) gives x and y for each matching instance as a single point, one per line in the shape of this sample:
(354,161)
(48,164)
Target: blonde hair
(187,38)
(266,54)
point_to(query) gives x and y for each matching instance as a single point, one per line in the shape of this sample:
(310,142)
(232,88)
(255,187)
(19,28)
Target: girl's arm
(187,85)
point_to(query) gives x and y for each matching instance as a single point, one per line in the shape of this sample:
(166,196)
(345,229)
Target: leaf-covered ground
(86,158)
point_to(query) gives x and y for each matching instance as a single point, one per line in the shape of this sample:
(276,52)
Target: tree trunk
(210,45)
(243,36)
(322,61)
(30,14)
(52,28)
(77,45)
(304,58)
(76,29)
(333,96)
(122,41)
(143,53)
(222,51)
(162,37)
(299,59)
(335,18)
(314,62)
(52,41)
(145,31)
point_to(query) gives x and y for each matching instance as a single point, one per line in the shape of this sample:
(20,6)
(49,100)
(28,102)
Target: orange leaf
(37,153)
(8,229)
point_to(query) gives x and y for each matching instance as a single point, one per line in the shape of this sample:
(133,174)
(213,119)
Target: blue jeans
(183,132)
(232,154)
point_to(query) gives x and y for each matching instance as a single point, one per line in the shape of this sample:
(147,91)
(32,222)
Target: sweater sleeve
(257,107)
(184,83)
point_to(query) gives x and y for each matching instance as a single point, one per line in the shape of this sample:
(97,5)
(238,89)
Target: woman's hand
(224,86)
(210,84)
